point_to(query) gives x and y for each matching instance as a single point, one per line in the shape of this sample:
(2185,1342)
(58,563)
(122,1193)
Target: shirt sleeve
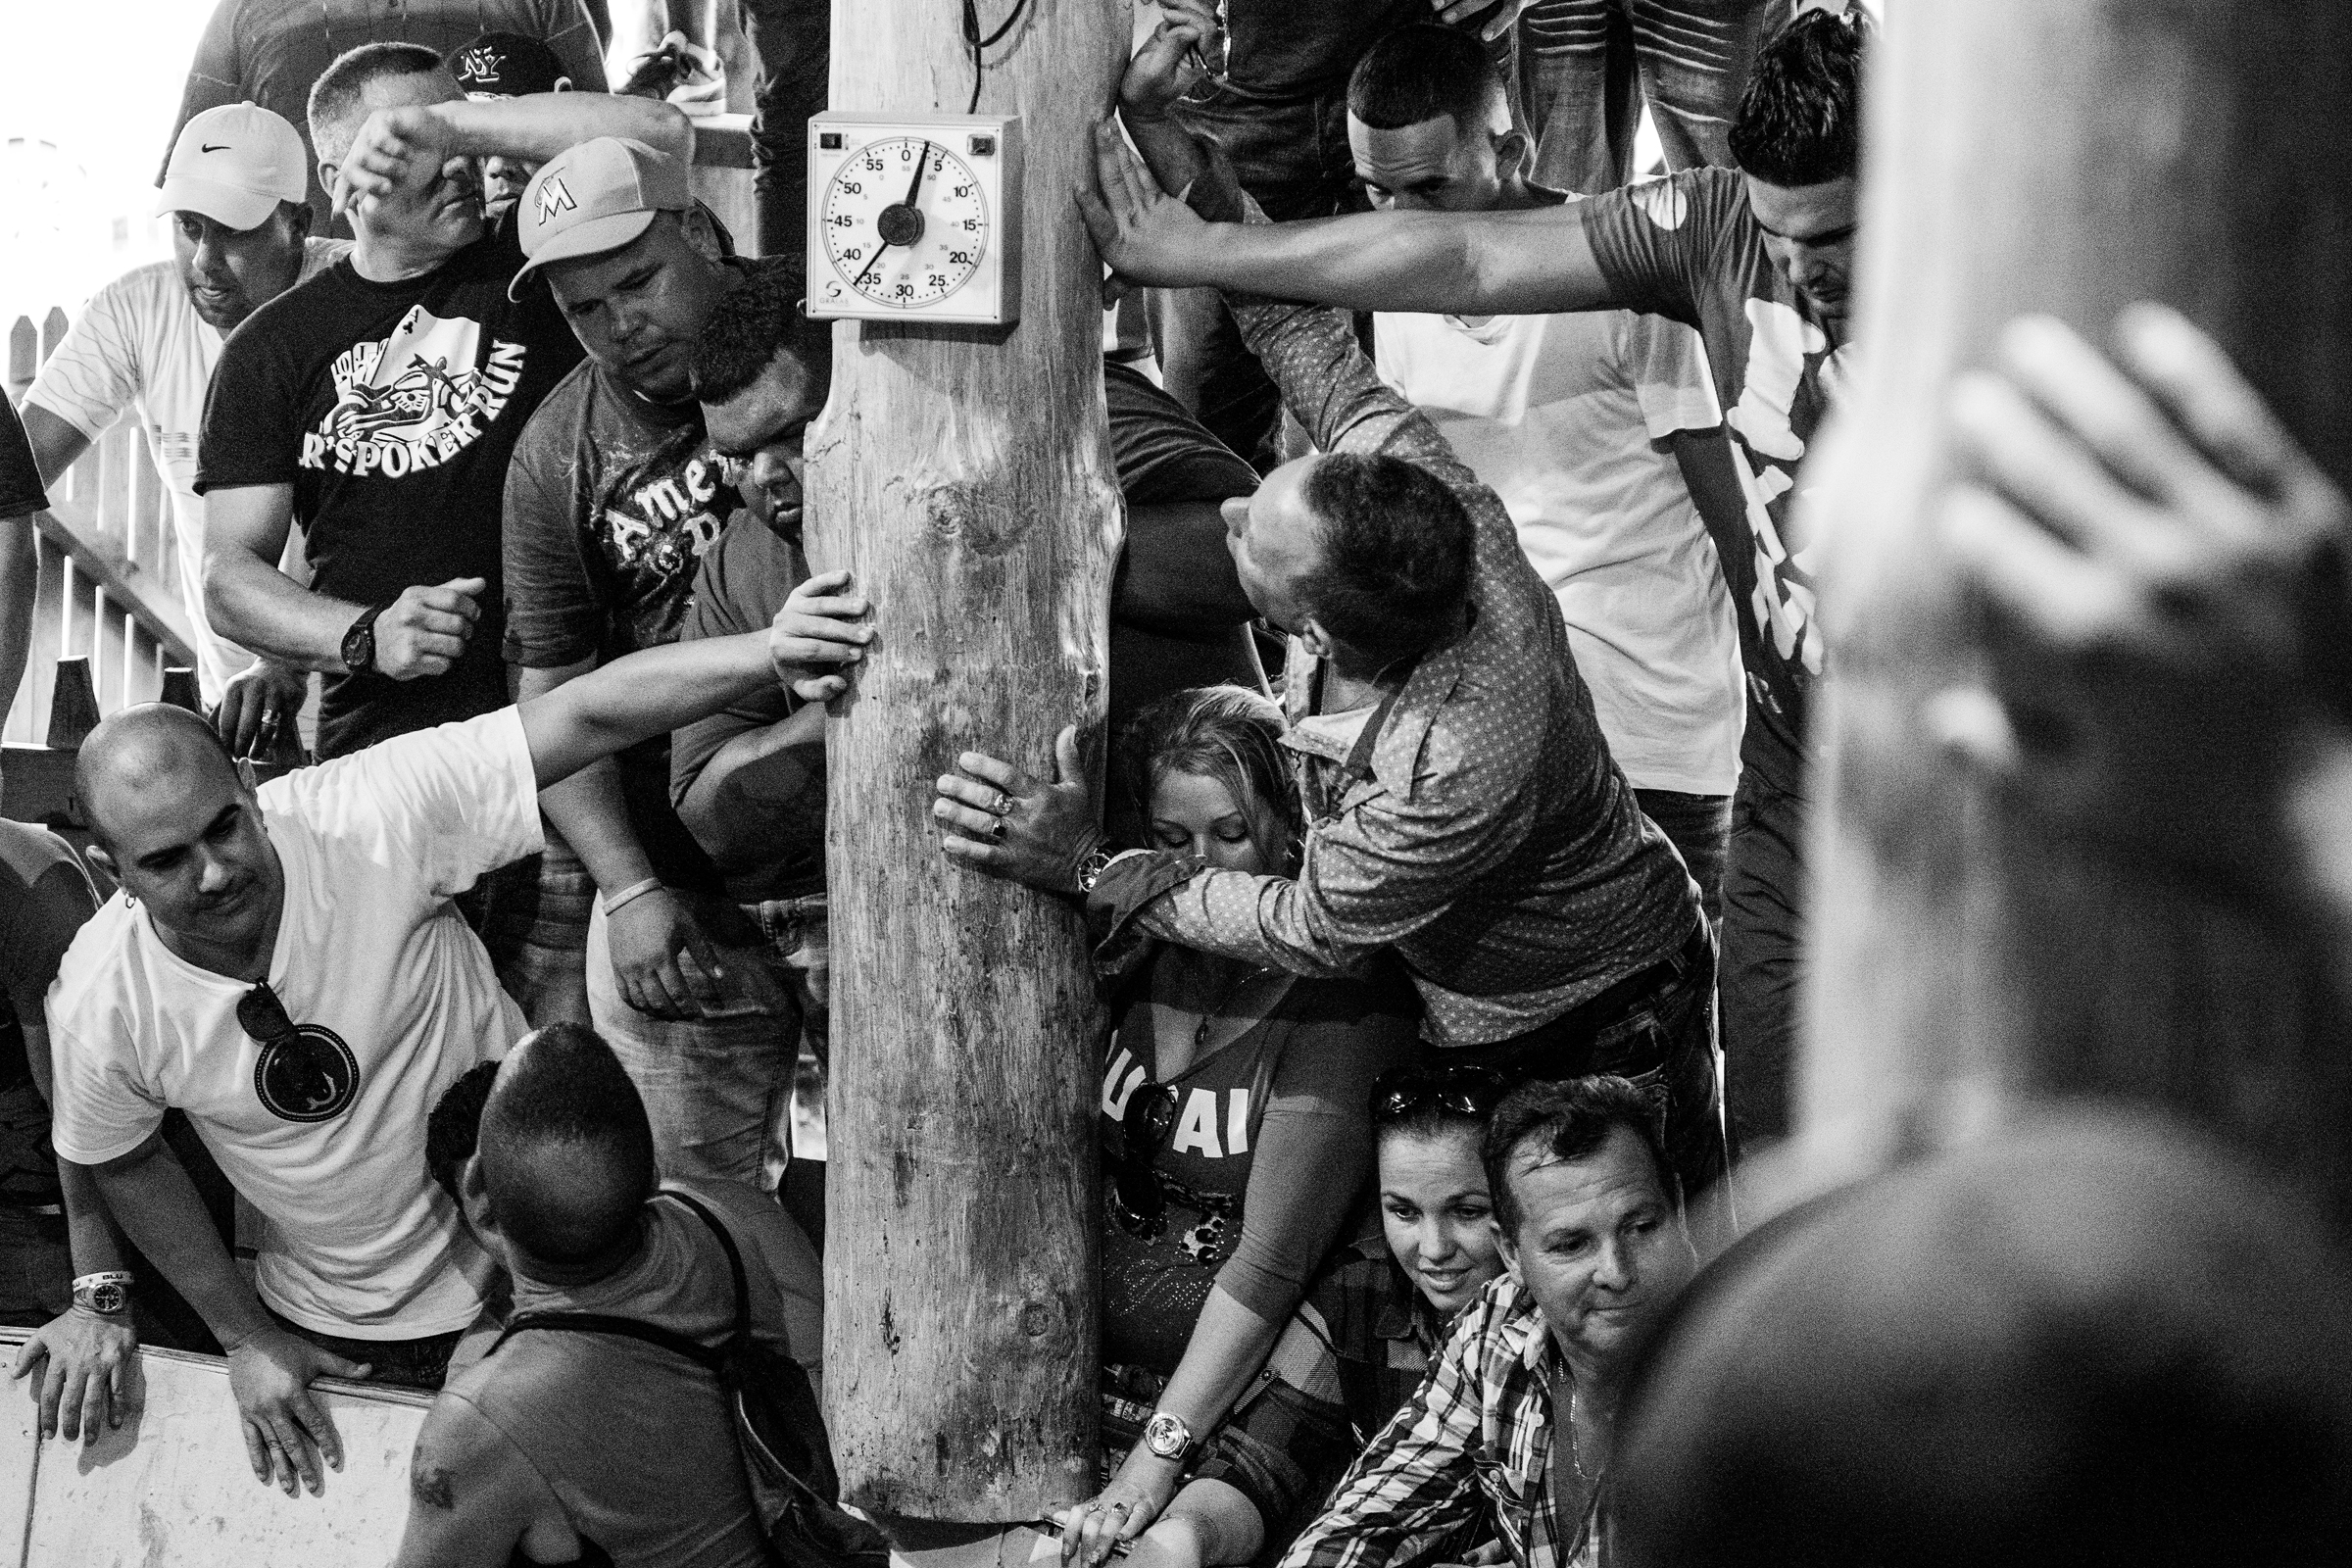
(554,613)
(251,422)
(1668,366)
(93,375)
(1656,242)
(450,803)
(1313,1149)
(1372,877)
(1417,1479)
(104,1106)
(20,487)
(714,612)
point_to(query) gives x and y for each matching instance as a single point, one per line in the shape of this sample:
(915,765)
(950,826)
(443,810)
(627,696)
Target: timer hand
(916,183)
(872,265)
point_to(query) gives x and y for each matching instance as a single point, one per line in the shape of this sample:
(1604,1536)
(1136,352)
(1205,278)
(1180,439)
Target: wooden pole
(965,474)
(2069,156)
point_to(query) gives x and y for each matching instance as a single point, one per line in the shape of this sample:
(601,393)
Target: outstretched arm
(406,148)
(1484,263)
(658,689)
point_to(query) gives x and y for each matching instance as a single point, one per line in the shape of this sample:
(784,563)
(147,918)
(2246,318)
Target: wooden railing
(108,569)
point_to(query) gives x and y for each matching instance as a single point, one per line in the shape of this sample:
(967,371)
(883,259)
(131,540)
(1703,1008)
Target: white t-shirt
(140,344)
(1558,414)
(396,1000)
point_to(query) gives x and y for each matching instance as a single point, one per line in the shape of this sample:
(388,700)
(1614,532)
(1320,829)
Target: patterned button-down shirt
(1494,843)
(1474,1441)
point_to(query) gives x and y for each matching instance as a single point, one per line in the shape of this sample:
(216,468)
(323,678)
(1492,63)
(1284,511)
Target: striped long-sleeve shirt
(1494,845)
(1476,1439)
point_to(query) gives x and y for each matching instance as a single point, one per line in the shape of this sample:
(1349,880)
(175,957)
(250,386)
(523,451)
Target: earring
(130,900)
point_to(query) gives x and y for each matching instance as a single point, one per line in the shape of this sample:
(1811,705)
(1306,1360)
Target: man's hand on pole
(2163,577)
(1001,821)
(821,624)
(1144,234)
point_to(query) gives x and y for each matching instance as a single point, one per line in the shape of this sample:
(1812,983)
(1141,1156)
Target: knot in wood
(980,519)
(1036,1318)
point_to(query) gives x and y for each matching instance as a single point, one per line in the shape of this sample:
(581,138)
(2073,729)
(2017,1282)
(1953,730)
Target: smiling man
(1513,1426)
(1758,261)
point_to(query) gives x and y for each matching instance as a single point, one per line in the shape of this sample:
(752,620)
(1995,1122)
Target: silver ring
(1002,805)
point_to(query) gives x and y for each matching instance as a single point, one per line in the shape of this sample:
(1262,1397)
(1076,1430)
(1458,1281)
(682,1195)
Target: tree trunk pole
(2067,157)
(965,474)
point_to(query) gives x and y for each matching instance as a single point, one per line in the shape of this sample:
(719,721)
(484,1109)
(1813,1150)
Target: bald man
(284,966)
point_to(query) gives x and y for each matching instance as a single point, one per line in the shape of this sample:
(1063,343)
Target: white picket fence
(109,570)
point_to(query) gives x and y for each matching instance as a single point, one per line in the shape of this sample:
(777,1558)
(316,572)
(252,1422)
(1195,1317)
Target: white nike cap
(234,165)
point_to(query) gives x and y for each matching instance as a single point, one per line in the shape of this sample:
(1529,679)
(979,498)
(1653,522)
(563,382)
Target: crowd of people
(1447,891)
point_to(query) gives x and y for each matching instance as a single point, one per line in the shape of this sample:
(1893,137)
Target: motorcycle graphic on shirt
(415,398)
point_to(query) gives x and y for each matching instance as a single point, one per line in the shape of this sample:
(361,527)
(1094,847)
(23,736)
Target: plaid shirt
(1494,843)
(1474,1440)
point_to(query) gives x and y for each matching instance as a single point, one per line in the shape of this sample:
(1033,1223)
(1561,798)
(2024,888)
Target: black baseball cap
(503,64)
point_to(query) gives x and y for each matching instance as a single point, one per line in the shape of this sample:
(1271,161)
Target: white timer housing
(914,218)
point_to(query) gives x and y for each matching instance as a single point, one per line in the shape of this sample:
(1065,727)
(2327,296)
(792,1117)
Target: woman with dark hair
(1235,1145)
(1387,1301)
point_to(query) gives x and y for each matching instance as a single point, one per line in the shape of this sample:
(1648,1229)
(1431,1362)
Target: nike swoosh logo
(207,147)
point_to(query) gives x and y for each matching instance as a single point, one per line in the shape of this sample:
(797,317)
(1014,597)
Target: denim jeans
(1294,159)
(1763,888)
(1586,68)
(719,1088)
(536,929)
(403,1364)
(1696,825)
(793,40)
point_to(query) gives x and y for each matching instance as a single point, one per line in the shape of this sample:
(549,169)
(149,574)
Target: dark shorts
(401,1363)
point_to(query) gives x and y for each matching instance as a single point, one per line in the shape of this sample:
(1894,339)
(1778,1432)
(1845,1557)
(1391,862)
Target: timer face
(906,223)
(914,217)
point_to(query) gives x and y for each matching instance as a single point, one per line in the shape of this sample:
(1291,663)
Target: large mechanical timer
(916,218)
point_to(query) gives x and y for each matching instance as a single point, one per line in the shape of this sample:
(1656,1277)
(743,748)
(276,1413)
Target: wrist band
(112,1276)
(635,890)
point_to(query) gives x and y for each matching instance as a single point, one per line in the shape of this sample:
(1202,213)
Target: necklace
(1212,1014)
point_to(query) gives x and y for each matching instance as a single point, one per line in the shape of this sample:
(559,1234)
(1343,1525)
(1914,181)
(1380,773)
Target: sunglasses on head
(1472,1092)
(1137,1199)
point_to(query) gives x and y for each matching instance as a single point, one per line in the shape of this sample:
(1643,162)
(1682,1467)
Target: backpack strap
(702,1356)
(742,1286)
(707,1357)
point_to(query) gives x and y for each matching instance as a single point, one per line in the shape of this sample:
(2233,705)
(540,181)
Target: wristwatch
(107,1293)
(1167,1437)
(358,642)
(1093,864)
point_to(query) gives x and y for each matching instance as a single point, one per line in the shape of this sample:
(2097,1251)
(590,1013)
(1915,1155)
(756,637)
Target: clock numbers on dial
(904,221)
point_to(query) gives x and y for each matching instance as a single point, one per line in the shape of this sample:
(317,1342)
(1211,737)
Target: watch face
(904,221)
(1166,1436)
(359,646)
(107,1297)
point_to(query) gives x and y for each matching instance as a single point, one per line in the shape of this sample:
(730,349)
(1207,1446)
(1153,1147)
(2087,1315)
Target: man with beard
(148,341)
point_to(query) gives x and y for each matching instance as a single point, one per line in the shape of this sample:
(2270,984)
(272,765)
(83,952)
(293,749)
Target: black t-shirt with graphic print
(21,488)
(392,410)
(611,503)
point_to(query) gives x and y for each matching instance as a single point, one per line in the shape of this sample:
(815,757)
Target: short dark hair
(1799,121)
(757,320)
(564,1087)
(1394,560)
(1421,71)
(336,92)
(453,1128)
(1571,1119)
(1228,733)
